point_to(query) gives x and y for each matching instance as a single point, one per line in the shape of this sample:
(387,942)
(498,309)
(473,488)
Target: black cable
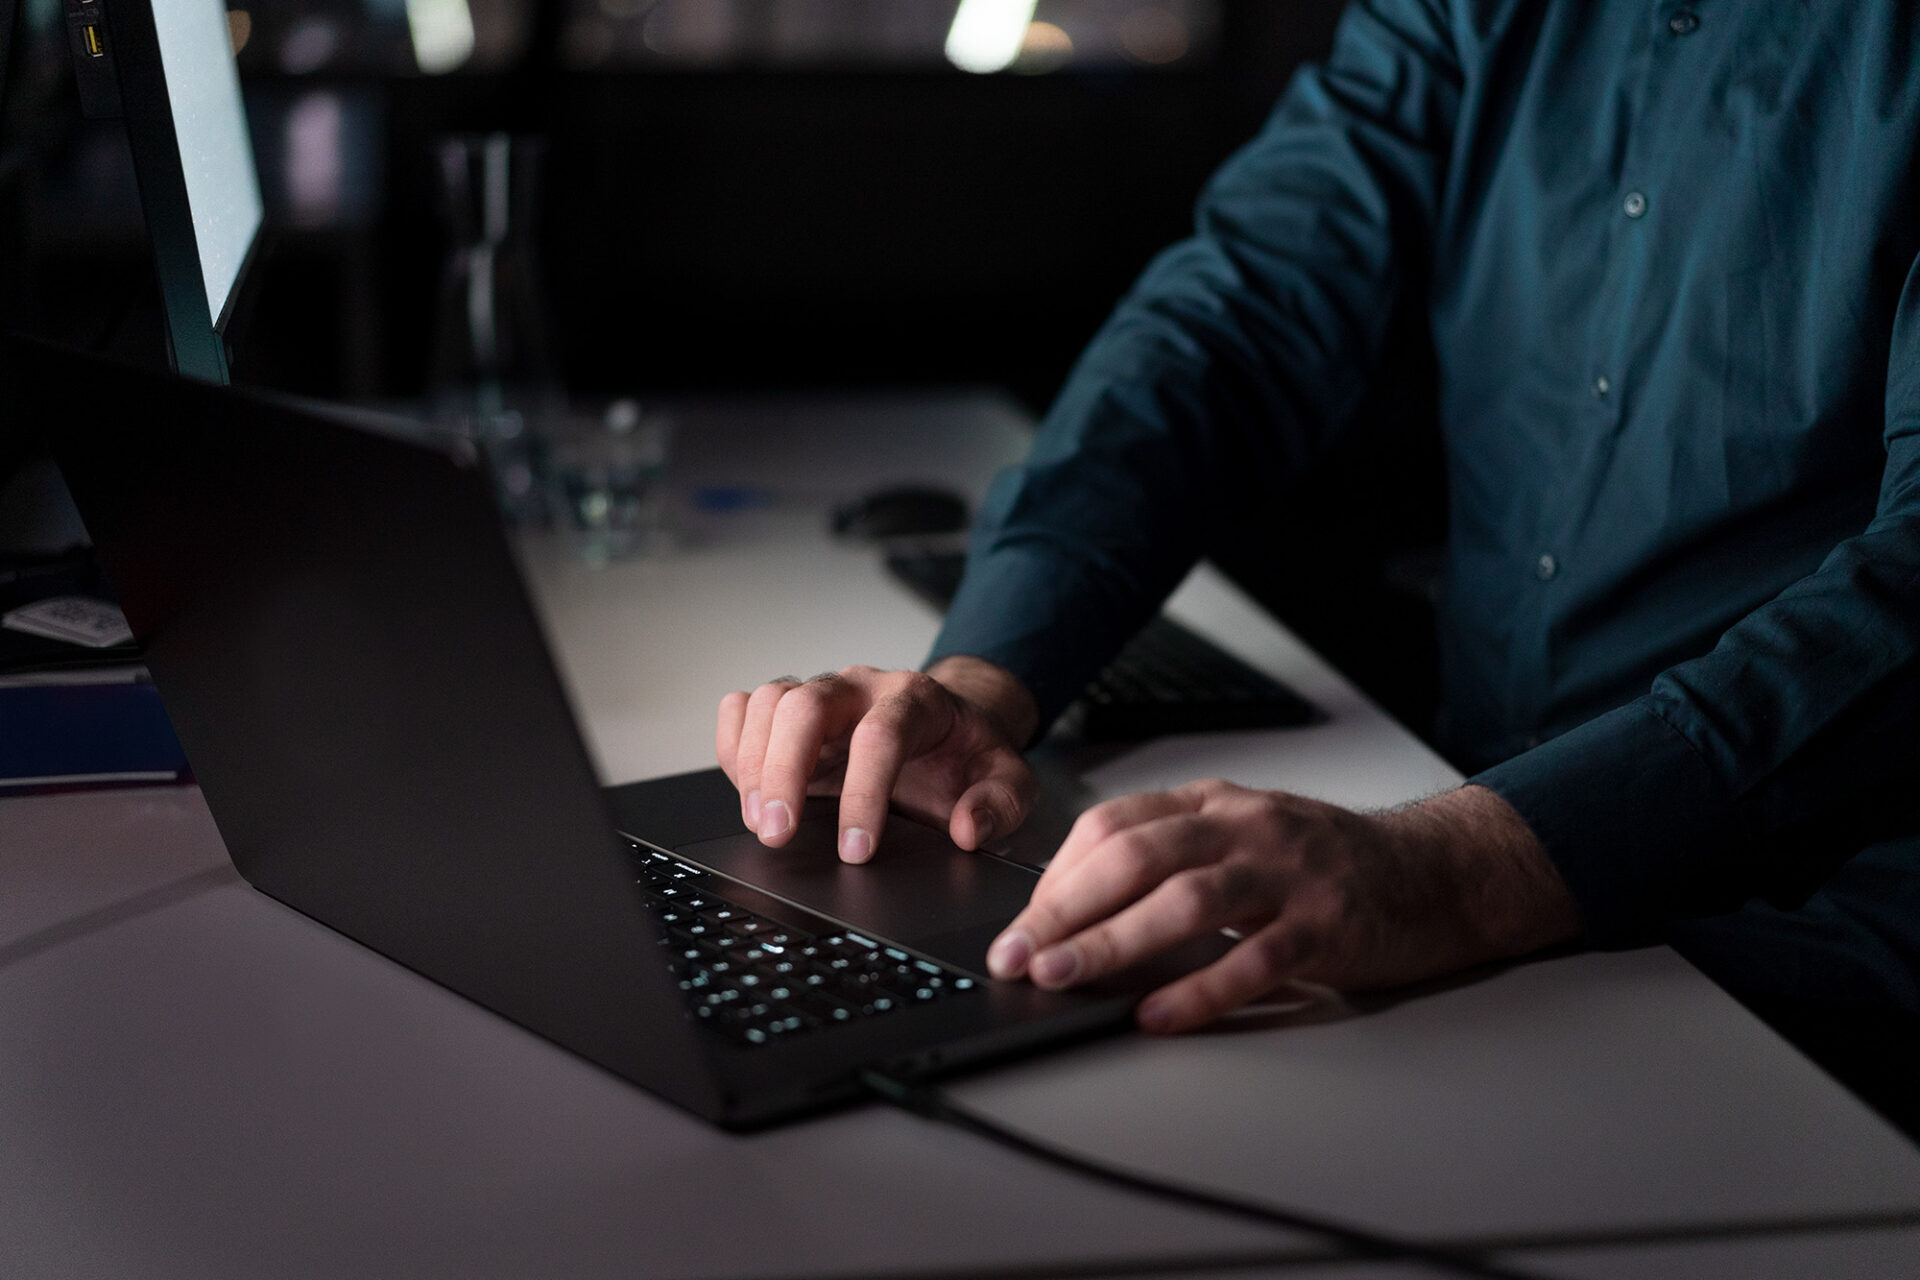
(1359,1242)
(8,11)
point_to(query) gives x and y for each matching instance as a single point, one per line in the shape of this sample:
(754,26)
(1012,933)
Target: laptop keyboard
(1170,680)
(1167,679)
(757,980)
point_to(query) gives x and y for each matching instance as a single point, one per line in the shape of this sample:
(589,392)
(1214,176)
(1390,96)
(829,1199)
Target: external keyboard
(757,980)
(1166,680)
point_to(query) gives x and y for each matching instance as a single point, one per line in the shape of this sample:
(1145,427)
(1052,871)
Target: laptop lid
(337,630)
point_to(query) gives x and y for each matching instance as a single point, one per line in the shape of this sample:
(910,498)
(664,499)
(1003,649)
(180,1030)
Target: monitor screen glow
(223,190)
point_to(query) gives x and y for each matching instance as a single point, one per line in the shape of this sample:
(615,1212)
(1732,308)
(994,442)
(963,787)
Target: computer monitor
(179,94)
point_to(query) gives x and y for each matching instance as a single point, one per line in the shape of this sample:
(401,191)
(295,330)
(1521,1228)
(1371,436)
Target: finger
(824,708)
(996,803)
(1251,970)
(726,732)
(1119,871)
(1185,905)
(1123,868)
(899,726)
(755,727)
(1103,820)
(1106,820)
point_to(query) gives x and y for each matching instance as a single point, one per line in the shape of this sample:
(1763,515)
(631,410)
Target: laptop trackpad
(920,890)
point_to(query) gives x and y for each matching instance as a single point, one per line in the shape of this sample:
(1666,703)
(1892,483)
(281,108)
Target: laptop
(336,622)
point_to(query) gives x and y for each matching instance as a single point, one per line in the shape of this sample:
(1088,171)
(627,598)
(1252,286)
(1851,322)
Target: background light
(442,32)
(987,34)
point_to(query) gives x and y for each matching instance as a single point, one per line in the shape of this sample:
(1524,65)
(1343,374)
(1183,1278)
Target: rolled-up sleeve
(1752,770)
(1229,367)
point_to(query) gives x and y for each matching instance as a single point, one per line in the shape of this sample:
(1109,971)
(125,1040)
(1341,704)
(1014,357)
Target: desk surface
(199,1082)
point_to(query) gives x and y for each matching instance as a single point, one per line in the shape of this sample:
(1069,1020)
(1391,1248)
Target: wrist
(1509,897)
(1006,702)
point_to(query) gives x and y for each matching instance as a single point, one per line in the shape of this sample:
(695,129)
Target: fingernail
(1056,966)
(1156,1018)
(855,845)
(982,827)
(753,808)
(1008,954)
(774,819)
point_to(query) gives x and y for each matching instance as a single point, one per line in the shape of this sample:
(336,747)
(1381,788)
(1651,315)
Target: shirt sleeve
(1754,770)
(1231,364)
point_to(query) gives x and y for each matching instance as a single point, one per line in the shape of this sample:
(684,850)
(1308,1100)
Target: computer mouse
(902,511)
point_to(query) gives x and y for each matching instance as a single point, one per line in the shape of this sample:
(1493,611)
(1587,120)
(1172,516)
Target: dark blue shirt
(1668,253)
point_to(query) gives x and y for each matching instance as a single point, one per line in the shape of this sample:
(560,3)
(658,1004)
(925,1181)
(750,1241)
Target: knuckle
(1282,816)
(863,800)
(1096,824)
(994,795)
(779,775)
(1099,951)
(1193,901)
(1128,858)
(1045,918)
(810,698)
(911,714)
(921,687)
(879,730)
(1260,965)
(1011,800)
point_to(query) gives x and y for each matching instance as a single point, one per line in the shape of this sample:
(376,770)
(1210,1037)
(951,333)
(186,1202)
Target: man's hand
(1316,892)
(944,746)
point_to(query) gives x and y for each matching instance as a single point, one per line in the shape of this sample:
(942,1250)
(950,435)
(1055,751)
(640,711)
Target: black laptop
(338,628)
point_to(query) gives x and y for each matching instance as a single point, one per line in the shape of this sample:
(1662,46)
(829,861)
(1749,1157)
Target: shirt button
(1545,567)
(1634,205)
(1684,23)
(1601,386)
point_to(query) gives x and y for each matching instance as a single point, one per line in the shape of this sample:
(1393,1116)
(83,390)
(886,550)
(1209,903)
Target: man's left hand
(1315,892)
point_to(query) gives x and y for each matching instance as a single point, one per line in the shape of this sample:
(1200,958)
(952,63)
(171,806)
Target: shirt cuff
(1026,608)
(1632,817)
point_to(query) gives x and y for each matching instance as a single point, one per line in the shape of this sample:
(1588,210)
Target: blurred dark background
(764,193)
(738,195)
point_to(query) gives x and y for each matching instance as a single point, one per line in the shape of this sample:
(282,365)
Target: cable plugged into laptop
(1355,1242)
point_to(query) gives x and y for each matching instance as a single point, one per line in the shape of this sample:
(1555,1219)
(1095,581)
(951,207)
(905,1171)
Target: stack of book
(76,706)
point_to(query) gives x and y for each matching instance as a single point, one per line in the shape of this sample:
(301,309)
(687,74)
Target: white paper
(75,619)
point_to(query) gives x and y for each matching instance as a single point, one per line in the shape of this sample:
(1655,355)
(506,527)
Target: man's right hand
(943,746)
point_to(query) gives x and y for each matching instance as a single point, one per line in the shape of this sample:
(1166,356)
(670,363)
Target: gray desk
(195,1081)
